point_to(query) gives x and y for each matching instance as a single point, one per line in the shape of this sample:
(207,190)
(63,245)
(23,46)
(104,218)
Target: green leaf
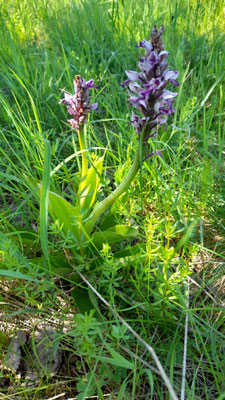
(59,264)
(90,184)
(184,240)
(86,386)
(128,256)
(109,221)
(24,236)
(117,359)
(44,202)
(120,395)
(10,255)
(113,235)
(150,378)
(139,249)
(67,215)
(131,255)
(82,300)
(94,301)
(86,301)
(17,275)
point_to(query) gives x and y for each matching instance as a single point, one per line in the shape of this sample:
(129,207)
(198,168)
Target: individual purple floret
(147,88)
(78,104)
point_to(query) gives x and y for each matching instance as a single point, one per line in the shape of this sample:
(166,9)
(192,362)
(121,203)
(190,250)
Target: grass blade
(44,202)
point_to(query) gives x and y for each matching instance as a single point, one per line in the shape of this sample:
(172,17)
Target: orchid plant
(152,101)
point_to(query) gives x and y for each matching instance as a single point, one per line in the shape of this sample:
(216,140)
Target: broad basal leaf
(90,184)
(109,220)
(66,214)
(115,234)
(86,301)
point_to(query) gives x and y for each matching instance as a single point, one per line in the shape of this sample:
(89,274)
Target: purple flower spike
(147,88)
(78,104)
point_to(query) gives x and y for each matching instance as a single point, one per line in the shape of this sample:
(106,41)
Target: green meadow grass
(176,202)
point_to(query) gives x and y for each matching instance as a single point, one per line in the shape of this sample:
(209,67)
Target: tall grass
(177,204)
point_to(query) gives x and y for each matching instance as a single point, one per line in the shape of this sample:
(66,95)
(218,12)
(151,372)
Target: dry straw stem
(149,348)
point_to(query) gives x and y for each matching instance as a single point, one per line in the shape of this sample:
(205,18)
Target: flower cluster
(78,104)
(148,92)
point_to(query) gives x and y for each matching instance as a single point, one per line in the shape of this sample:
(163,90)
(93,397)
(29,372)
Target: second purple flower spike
(78,104)
(148,92)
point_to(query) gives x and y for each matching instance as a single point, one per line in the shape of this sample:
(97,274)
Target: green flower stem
(83,146)
(84,171)
(124,185)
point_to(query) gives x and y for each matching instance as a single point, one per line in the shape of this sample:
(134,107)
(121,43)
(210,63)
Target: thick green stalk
(124,185)
(83,146)
(84,171)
